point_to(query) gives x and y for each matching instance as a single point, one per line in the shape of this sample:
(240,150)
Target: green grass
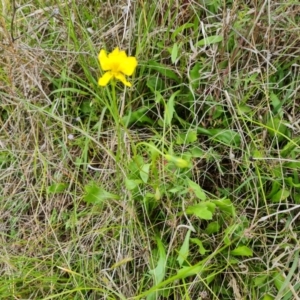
(187,188)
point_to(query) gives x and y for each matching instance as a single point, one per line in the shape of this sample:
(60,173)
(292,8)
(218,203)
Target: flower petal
(122,78)
(128,65)
(103,81)
(104,61)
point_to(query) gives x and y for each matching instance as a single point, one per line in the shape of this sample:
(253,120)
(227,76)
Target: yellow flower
(116,64)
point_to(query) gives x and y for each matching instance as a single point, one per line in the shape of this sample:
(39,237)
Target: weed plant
(184,185)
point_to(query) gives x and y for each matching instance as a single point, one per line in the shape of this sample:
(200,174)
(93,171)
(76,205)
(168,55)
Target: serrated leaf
(242,251)
(197,190)
(184,250)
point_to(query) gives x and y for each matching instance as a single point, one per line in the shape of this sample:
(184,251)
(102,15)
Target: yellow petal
(103,81)
(122,78)
(104,61)
(128,65)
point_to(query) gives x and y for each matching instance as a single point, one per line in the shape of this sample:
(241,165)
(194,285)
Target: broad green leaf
(226,136)
(169,110)
(212,227)
(290,146)
(276,103)
(202,250)
(56,188)
(164,70)
(260,280)
(144,172)
(186,138)
(95,194)
(242,251)
(278,280)
(195,75)
(184,250)
(268,297)
(290,182)
(210,40)
(203,210)
(281,195)
(155,83)
(178,161)
(174,53)
(159,272)
(226,206)
(138,116)
(229,232)
(197,190)
(131,184)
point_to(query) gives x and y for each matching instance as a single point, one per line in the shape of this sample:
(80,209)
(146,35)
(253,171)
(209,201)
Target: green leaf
(144,172)
(56,188)
(276,127)
(226,136)
(174,53)
(290,182)
(164,70)
(195,75)
(131,184)
(96,195)
(278,280)
(281,195)
(180,29)
(186,138)
(203,210)
(159,272)
(155,83)
(169,110)
(226,206)
(290,146)
(210,40)
(242,251)
(212,227)
(196,189)
(189,271)
(184,250)
(276,103)
(138,116)
(260,280)
(268,297)
(229,232)
(202,250)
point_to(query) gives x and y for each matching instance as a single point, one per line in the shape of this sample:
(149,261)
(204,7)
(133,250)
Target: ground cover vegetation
(181,184)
